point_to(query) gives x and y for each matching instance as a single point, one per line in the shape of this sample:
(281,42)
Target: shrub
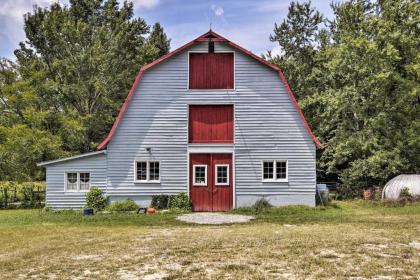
(96,200)
(180,201)
(377,195)
(160,201)
(405,193)
(347,192)
(123,205)
(261,205)
(21,194)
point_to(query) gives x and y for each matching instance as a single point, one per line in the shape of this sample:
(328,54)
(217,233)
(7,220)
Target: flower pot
(151,210)
(87,212)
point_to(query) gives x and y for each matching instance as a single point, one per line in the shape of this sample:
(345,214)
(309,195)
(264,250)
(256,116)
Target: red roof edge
(122,110)
(203,38)
(302,116)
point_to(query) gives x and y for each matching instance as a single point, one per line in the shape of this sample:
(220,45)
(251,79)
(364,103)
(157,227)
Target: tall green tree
(24,138)
(300,38)
(88,53)
(365,103)
(159,39)
(72,73)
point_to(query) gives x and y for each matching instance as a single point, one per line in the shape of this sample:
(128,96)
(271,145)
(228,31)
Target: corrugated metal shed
(393,188)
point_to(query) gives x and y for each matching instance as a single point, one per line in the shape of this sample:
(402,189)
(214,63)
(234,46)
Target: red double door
(211,187)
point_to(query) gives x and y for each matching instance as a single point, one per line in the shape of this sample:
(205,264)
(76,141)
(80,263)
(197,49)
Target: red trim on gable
(292,97)
(203,38)
(122,110)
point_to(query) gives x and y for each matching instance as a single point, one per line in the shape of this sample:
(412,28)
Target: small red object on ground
(151,211)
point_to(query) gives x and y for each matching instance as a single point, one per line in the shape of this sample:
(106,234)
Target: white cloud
(11,19)
(148,4)
(276,51)
(15,9)
(218,11)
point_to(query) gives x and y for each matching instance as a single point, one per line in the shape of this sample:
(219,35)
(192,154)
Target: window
(147,171)
(154,171)
(274,170)
(200,175)
(222,174)
(268,170)
(72,181)
(84,181)
(211,71)
(141,171)
(77,181)
(281,172)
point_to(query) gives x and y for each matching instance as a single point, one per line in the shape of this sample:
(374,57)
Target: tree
(299,37)
(364,102)
(88,54)
(71,76)
(159,39)
(23,139)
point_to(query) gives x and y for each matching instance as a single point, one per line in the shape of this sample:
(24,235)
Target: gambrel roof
(206,37)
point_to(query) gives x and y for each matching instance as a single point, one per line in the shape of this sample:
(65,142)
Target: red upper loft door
(211,124)
(211,71)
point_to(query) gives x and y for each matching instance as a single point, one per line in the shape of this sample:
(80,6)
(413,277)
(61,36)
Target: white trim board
(210,149)
(205,175)
(227,175)
(44,163)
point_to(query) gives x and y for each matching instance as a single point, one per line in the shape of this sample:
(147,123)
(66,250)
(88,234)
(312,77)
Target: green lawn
(352,239)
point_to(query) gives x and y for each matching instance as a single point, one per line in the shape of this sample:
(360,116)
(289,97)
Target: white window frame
(215,175)
(147,172)
(205,175)
(80,182)
(77,181)
(275,179)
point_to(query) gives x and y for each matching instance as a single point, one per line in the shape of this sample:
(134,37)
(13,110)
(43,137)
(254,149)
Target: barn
(210,119)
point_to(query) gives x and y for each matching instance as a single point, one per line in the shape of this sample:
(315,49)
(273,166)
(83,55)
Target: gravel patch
(214,218)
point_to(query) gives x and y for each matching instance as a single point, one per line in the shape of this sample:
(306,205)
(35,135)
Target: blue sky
(248,23)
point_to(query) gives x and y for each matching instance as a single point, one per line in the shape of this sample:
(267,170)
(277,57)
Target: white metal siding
(57,197)
(267,126)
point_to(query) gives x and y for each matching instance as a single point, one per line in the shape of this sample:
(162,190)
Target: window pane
(72,181)
(222,175)
(141,171)
(268,170)
(200,175)
(281,169)
(84,181)
(154,171)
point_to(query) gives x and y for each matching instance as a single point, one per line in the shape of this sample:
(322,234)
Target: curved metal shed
(393,188)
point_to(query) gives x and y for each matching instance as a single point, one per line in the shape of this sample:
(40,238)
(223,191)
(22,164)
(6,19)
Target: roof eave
(45,163)
(203,38)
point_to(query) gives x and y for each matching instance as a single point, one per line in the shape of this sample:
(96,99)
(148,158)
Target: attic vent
(211,47)
(210,36)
